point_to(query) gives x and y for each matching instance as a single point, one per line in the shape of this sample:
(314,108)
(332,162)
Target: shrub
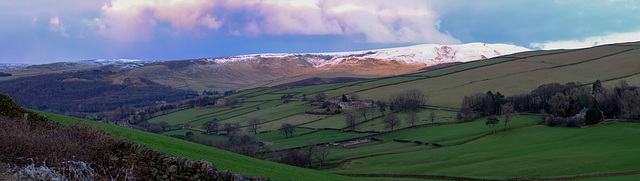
(555,121)
(593,116)
(561,113)
(575,122)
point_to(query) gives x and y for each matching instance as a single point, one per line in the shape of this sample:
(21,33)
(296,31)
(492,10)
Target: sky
(43,31)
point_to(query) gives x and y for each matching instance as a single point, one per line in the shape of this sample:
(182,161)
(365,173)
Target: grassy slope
(446,135)
(537,151)
(220,158)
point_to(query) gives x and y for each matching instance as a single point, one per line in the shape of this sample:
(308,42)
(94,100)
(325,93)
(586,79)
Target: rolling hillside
(225,73)
(469,149)
(438,148)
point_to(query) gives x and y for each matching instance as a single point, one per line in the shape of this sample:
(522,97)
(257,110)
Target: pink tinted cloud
(56,26)
(375,20)
(132,20)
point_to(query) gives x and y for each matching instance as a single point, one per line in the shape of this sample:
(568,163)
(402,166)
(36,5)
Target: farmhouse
(583,113)
(356,104)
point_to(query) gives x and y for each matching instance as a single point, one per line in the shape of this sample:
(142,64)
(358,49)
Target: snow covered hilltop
(425,54)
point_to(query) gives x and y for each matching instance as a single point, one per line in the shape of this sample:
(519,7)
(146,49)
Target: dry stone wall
(166,167)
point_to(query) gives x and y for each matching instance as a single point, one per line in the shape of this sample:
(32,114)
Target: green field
(325,136)
(536,151)
(221,159)
(457,133)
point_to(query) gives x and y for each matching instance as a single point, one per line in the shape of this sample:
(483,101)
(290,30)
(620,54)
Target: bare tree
(412,118)
(230,128)
(211,127)
(409,100)
(362,111)
(243,143)
(391,121)
(559,101)
(287,130)
(507,111)
(630,101)
(254,125)
(350,119)
(321,154)
(308,152)
(382,107)
(321,96)
(465,114)
(432,116)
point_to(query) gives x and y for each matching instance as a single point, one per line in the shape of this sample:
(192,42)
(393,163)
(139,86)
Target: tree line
(571,104)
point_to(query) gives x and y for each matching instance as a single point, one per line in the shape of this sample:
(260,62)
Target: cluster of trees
(204,101)
(484,104)
(286,96)
(569,99)
(303,157)
(287,130)
(213,127)
(210,93)
(408,102)
(563,102)
(2,74)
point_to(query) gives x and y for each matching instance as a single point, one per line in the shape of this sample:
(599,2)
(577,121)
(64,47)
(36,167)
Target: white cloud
(380,21)
(56,26)
(610,38)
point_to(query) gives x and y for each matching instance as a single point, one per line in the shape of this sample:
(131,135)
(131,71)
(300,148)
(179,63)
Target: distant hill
(225,73)
(89,91)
